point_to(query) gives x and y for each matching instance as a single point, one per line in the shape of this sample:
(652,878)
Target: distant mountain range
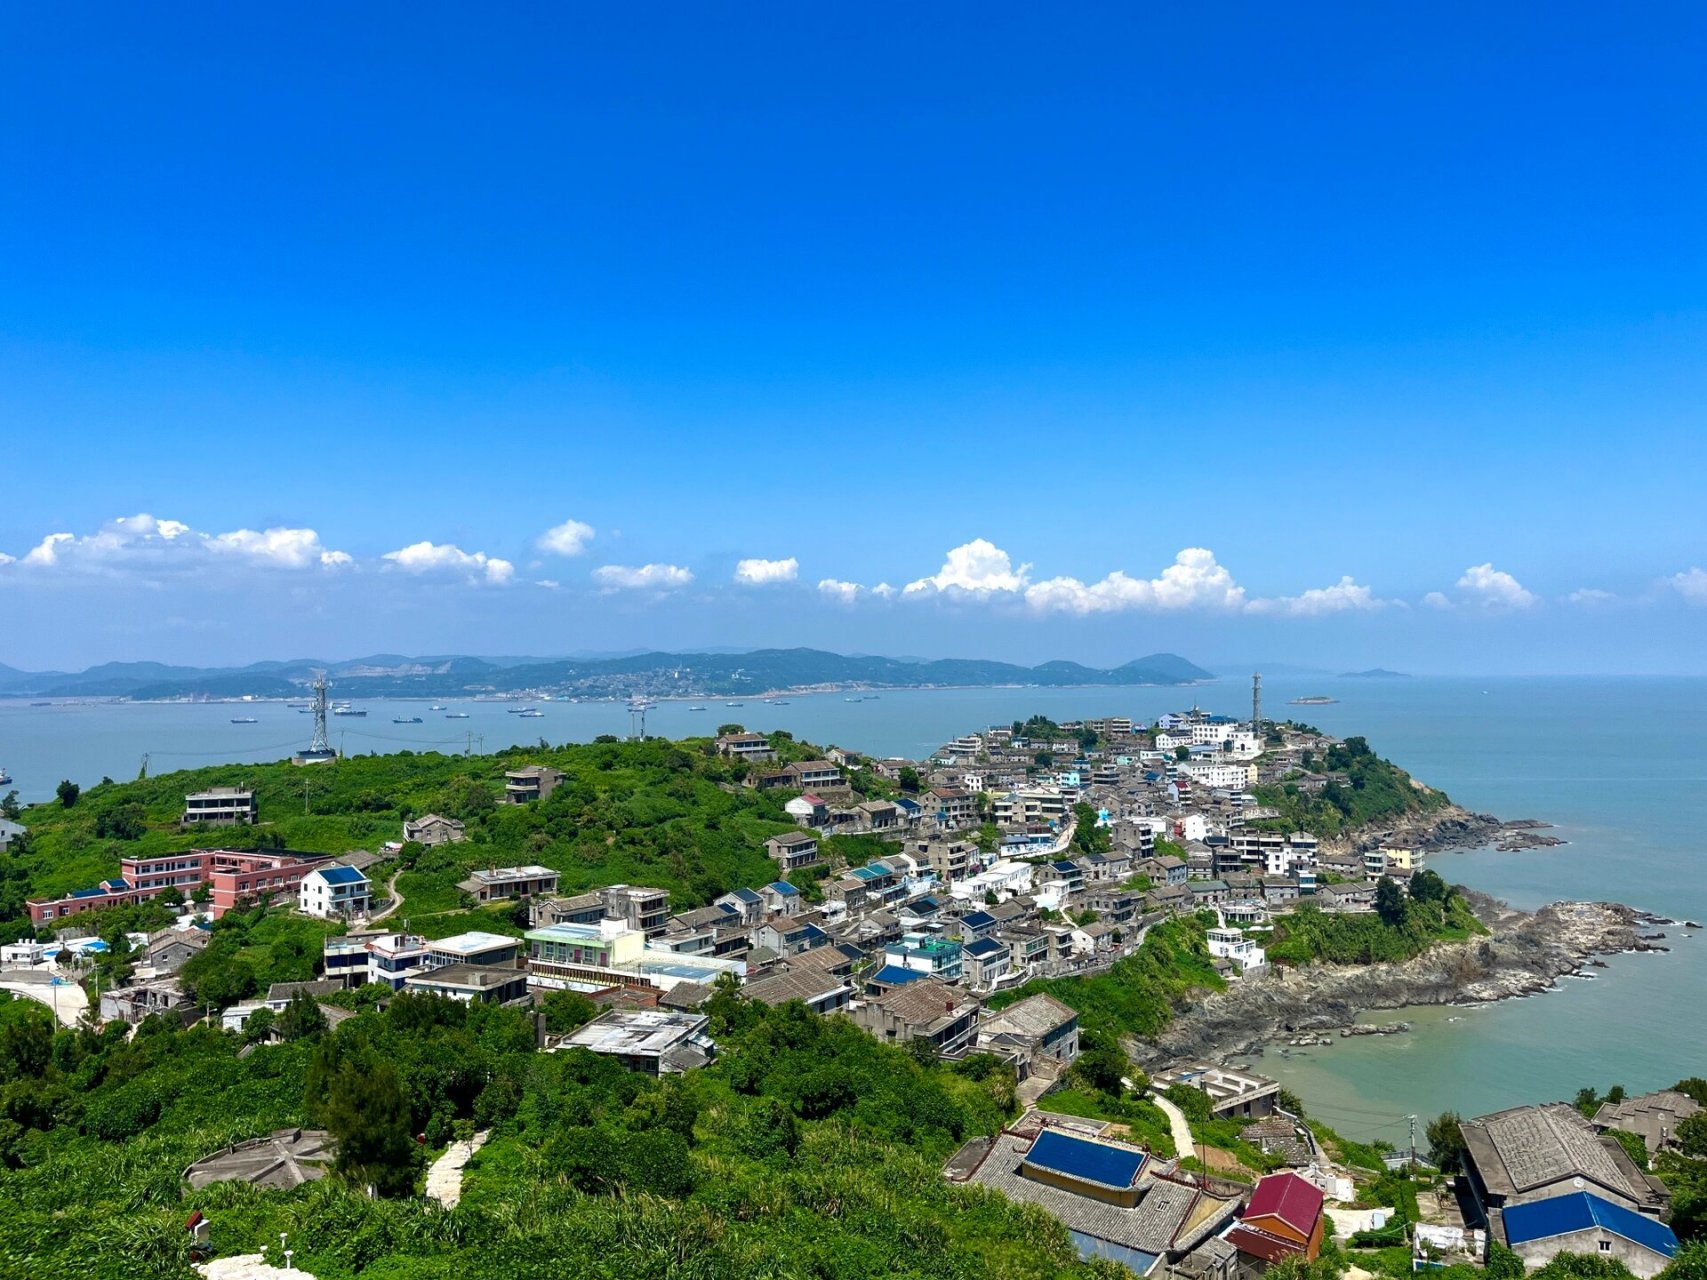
(653,674)
(1377,673)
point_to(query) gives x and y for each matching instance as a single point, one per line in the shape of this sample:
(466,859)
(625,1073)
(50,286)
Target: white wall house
(335,892)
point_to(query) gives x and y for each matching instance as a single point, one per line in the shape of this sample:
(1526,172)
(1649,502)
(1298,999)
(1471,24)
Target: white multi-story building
(1222,776)
(1230,944)
(334,892)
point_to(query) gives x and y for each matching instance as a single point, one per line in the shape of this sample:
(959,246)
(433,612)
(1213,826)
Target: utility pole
(1413,1157)
(1256,705)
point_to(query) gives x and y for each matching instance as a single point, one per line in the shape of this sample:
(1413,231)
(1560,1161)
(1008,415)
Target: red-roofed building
(1285,1212)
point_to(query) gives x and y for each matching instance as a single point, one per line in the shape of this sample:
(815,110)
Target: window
(1606,1246)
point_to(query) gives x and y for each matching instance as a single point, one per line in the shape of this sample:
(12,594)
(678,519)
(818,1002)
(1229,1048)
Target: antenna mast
(320,747)
(1256,704)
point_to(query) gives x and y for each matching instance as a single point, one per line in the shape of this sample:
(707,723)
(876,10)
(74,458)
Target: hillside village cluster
(913,945)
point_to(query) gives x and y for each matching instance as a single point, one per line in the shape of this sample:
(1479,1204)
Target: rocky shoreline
(1524,953)
(1450,829)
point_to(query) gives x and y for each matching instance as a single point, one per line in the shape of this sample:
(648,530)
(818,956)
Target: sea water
(1619,765)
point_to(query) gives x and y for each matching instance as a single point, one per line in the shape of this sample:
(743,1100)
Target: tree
(1389,901)
(1427,886)
(908,778)
(301,1018)
(1182,754)
(1694,1087)
(368,1115)
(1692,1136)
(9,808)
(67,791)
(1446,1142)
(1503,1263)
(259,1025)
(564,1011)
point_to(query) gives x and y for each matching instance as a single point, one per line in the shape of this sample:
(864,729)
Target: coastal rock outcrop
(1523,954)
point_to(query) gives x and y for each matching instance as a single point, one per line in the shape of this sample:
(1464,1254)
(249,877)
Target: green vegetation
(1141,992)
(655,812)
(807,1149)
(1433,912)
(1376,790)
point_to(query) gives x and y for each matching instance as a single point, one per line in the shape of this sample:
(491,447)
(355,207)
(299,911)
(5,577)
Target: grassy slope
(656,813)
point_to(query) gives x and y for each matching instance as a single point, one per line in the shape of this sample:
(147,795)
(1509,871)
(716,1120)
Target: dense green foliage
(807,1149)
(1141,992)
(652,812)
(1309,935)
(1376,790)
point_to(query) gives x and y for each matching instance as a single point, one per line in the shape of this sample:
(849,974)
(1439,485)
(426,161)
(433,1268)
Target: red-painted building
(232,876)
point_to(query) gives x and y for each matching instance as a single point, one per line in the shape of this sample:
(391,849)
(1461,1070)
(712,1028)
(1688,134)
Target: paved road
(63,996)
(444,1179)
(1183,1144)
(390,892)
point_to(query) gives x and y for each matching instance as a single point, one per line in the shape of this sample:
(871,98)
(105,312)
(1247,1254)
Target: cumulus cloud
(1485,585)
(1691,584)
(761,573)
(839,591)
(979,567)
(146,542)
(434,557)
(567,539)
(1437,600)
(646,577)
(1591,596)
(1344,596)
(1194,580)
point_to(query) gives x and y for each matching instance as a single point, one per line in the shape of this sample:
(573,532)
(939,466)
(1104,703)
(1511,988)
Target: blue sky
(1341,335)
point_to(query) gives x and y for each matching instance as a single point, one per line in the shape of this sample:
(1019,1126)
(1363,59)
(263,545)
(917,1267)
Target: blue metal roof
(86,893)
(984,947)
(745,895)
(342,875)
(894,975)
(784,888)
(1085,1160)
(978,920)
(1062,864)
(1580,1211)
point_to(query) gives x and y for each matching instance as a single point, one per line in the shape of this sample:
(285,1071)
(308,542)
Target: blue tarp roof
(1088,1161)
(893,975)
(1580,1211)
(341,875)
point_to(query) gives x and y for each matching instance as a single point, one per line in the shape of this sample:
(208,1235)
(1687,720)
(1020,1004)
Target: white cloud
(760,573)
(1194,580)
(1485,585)
(432,557)
(646,577)
(567,539)
(1690,584)
(1591,596)
(550,584)
(883,591)
(839,591)
(1437,600)
(979,567)
(143,542)
(1344,596)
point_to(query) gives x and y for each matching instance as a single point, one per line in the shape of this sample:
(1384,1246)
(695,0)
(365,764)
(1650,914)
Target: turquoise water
(1619,765)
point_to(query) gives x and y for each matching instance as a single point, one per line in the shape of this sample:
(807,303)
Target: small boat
(4,777)
(696,708)
(531,714)
(456,715)
(349,711)
(522,711)
(435,708)
(244,720)
(41,704)
(780,702)
(1315,700)
(734,704)
(405,719)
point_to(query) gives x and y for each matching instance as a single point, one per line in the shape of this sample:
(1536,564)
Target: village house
(793,851)
(1284,1219)
(433,829)
(334,892)
(1653,1117)
(220,807)
(500,884)
(928,1009)
(530,783)
(1039,1026)
(653,1042)
(752,748)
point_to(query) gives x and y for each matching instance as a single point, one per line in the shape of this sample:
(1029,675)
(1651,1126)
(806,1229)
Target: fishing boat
(244,720)
(405,719)
(522,711)
(4,776)
(531,713)
(349,711)
(456,715)
(1314,700)
(435,708)
(734,704)
(696,708)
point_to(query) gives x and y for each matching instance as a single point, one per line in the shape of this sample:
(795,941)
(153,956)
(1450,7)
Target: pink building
(231,875)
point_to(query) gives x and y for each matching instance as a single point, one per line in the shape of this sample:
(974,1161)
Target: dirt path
(1183,1144)
(390,892)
